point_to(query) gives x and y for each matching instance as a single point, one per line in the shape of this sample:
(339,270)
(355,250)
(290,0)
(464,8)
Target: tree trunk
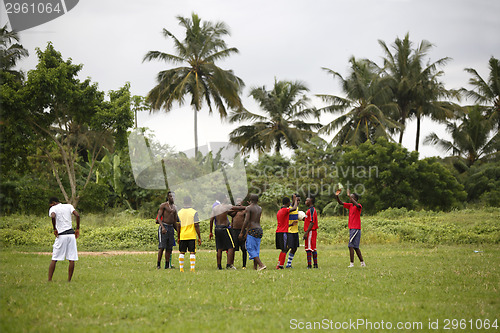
(417,141)
(195,133)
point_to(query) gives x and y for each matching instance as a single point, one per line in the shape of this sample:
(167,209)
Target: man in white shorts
(65,243)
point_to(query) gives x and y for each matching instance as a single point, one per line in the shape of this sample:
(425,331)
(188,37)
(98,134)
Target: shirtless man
(167,219)
(223,239)
(254,233)
(236,226)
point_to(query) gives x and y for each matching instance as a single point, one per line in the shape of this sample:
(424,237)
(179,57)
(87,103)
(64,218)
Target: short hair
(168,193)
(286,201)
(254,198)
(356,195)
(53,199)
(313,199)
(187,200)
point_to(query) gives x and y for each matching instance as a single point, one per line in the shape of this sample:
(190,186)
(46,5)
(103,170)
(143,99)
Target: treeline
(63,136)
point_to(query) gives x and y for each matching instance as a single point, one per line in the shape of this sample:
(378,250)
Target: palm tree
(487,92)
(414,85)
(10,51)
(199,78)
(368,101)
(286,107)
(472,138)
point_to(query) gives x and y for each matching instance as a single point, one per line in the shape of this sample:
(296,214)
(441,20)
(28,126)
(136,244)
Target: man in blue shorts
(354,225)
(254,232)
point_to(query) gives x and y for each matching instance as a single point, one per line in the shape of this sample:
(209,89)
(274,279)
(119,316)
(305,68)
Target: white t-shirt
(63,216)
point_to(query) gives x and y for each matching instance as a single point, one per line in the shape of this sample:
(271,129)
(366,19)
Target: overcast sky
(283,39)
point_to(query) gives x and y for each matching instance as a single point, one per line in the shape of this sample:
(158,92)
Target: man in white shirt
(65,243)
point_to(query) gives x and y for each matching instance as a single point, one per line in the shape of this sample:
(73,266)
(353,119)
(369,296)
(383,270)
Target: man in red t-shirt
(282,229)
(354,225)
(310,235)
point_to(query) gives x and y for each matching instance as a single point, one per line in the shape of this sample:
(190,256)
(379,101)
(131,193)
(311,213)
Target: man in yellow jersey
(186,233)
(293,232)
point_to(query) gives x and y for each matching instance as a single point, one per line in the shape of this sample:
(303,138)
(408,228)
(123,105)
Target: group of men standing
(244,233)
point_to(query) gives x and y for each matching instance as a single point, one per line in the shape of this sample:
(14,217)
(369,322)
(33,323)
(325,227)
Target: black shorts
(223,239)
(293,240)
(166,241)
(187,244)
(281,241)
(235,233)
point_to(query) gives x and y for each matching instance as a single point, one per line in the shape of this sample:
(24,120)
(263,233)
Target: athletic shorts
(281,241)
(354,238)
(166,241)
(292,240)
(310,244)
(65,248)
(253,246)
(223,239)
(237,242)
(187,244)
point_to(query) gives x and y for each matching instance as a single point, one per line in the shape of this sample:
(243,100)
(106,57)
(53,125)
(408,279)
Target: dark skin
(221,212)
(309,204)
(167,215)
(294,207)
(237,223)
(253,213)
(71,267)
(352,198)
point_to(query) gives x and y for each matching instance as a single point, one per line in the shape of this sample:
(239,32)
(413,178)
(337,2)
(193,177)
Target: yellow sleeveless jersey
(293,217)
(188,217)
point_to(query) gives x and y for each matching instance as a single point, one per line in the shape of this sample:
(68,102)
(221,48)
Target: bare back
(253,213)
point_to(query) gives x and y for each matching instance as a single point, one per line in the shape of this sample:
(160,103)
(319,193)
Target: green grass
(402,283)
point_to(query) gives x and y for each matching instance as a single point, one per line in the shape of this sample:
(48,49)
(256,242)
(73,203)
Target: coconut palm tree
(199,77)
(473,139)
(486,92)
(10,51)
(414,85)
(368,104)
(286,108)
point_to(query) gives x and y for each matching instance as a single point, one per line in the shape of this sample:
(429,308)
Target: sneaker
(182,269)
(192,269)
(351,264)
(315,266)
(261,268)
(171,267)
(289,266)
(158,267)
(279,267)
(309,266)
(231,267)
(363,264)
(243,267)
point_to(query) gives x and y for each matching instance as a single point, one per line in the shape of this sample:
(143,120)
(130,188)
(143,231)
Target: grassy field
(410,284)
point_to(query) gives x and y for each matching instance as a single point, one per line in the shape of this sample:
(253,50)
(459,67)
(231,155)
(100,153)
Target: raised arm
(337,193)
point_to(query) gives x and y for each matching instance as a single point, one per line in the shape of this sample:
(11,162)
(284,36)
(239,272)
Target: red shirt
(283,219)
(311,217)
(354,215)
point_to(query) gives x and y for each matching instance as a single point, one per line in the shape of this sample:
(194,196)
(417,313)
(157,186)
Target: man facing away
(167,219)
(65,243)
(282,229)
(254,233)
(310,232)
(186,233)
(236,226)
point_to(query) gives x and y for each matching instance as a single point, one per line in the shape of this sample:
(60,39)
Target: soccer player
(236,226)
(293,232)
(354,225)
(65,243)
(282,229)
(310,235)
(187,230)
(254,233)
(167,219)
(223,239)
